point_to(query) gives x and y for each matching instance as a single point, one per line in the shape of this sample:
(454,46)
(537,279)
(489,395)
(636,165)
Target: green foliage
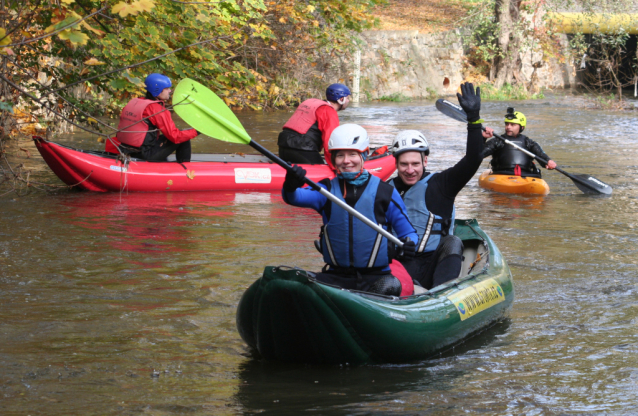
(8,107)
(395,97)
(507,93)
(239,48)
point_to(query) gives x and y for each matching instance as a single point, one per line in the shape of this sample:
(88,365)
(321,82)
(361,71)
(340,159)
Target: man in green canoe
(429,196)
(309,129)
(506,159)
(147,131)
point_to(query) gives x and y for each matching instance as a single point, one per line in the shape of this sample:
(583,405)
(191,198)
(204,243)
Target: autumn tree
(77,59)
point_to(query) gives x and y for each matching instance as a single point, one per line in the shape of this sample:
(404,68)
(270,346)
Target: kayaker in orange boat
(147,131)
(309,129)
(507,160)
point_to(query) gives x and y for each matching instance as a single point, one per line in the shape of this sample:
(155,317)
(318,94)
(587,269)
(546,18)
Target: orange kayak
(513,184)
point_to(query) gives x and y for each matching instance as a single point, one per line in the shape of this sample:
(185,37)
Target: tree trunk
(508,40)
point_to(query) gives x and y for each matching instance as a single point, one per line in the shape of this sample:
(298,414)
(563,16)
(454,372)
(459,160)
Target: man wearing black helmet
(429,197)
(508,160)
(147,131)
(308,130)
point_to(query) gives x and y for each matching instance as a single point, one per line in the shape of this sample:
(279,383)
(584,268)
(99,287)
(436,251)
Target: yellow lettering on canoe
(477,298)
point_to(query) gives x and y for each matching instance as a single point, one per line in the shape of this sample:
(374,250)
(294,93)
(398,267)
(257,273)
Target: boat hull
(286,315)
(102,171)
(513,184)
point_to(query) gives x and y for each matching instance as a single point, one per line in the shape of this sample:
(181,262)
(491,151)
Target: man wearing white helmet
(356,256)
(429,197)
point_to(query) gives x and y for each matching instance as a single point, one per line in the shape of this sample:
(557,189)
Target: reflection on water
(125,304)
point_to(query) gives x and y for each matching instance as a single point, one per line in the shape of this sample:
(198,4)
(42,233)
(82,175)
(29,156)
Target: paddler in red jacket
(309,129)
(147,131)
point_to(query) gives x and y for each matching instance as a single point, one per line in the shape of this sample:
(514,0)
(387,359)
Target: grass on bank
(508,92)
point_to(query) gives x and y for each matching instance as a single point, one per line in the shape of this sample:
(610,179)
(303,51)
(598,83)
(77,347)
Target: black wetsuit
(436,267)
(505,157)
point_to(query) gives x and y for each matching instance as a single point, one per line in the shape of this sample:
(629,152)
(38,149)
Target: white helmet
(410,141)
(349,136)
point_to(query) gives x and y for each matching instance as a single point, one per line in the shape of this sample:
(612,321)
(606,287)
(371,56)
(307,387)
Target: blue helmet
(336,92)
(155,83)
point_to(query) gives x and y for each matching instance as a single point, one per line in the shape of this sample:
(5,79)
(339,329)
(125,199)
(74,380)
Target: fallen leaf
(27,152)
(169,183)
(190,174)
(93,61)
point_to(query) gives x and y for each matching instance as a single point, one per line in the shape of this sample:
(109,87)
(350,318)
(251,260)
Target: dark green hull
(287,316)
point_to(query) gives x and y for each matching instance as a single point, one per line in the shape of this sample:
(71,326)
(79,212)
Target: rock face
(410,64)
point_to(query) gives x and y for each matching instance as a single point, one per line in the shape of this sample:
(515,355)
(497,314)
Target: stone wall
(426,65)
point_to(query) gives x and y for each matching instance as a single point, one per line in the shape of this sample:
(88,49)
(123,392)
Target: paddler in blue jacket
(356,256)
(429,197)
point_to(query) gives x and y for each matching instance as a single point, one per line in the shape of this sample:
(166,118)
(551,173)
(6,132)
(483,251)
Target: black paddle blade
(590,185)
(451,110)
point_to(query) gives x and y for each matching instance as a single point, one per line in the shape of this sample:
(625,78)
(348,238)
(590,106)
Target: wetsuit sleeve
(161,118)
(327,121)
(444,186)
(397,217)
(305,198)
(536,148)
(491,147)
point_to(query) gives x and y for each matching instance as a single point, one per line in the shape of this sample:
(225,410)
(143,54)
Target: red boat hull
(102,172)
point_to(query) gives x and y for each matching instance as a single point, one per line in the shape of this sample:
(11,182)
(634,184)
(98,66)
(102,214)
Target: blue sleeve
(397,217)
(305,198)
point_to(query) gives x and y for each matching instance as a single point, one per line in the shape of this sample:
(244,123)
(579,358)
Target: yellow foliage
(145,5)
(124,9)
(6,40)
(74,36)
(68,1)
(93,61)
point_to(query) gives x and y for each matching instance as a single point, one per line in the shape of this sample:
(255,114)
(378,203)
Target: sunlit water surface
(125,304)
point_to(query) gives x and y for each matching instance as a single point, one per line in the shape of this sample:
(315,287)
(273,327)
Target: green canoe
(287,315)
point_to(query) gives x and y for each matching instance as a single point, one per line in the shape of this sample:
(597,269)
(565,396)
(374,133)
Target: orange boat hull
(513,184)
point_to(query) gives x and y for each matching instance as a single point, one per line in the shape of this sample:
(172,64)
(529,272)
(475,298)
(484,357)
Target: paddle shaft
(327,194)
(540,159)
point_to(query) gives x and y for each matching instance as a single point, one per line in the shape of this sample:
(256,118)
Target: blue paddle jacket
(346,241)
(429,226)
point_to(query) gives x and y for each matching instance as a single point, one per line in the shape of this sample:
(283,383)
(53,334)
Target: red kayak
(103,172)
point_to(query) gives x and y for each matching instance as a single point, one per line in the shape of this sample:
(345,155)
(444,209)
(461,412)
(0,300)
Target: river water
(125,304)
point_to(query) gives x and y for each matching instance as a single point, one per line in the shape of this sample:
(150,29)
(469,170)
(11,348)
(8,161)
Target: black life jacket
(310,141)
(508,157)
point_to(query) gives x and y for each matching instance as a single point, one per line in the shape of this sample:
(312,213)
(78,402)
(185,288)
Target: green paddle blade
(204,111)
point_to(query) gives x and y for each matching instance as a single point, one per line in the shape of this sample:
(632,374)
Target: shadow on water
(287,389)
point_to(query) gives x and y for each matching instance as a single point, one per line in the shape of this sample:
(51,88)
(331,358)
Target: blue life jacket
(429,227)
(347,241)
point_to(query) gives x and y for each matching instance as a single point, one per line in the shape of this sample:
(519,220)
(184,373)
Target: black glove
(409,249)
(196,131)
(470,101)
(294,178)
